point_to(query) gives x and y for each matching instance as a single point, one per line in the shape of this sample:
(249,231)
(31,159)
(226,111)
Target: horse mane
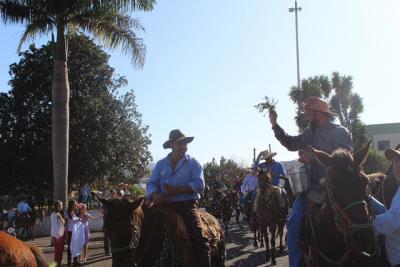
(40,260)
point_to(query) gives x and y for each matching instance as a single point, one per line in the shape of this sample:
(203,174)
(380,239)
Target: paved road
(239,248)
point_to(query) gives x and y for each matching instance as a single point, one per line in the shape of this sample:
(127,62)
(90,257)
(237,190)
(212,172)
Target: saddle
(211,229)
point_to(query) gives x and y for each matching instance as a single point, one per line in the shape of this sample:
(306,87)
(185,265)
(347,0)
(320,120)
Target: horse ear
(361,155)
(135,204)
(322,156)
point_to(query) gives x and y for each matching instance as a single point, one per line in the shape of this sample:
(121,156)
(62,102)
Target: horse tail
(40,260)
(218,258)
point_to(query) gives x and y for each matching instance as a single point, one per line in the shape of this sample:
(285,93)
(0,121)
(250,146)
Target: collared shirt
(250,183)
(188,172)
(327,138)
(276,169)
(23,207)
(388,224)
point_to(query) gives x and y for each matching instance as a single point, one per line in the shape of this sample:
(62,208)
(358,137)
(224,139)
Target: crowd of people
(178,179)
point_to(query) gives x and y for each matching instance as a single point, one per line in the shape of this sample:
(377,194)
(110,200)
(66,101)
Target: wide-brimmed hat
(176,135)
(392,154)
(318,104)
(266,154)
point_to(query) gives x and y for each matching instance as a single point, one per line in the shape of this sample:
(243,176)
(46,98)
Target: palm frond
(33,29)
(115,30)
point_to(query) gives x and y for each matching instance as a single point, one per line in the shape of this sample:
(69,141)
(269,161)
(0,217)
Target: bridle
(347,227)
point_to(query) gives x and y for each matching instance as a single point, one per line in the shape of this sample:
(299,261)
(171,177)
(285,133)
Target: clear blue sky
(209,62)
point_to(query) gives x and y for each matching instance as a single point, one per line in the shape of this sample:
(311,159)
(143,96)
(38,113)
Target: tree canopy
(107,135)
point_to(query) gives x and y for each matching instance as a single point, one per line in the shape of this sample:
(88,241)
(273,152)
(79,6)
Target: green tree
(107,20)
(107,133)
(227,168)
(337,90)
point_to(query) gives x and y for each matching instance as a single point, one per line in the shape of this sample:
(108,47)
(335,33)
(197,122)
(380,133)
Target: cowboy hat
(392,154)
(318,104)
(176,135)
(266,154)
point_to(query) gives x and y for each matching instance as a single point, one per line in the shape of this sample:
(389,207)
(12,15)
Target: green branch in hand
(268,105)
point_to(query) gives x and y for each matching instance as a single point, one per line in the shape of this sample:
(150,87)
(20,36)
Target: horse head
(264,177)
(346,188)
(122,224)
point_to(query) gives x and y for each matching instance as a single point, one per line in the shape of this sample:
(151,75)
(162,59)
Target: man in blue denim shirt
(178,179)
(322,135)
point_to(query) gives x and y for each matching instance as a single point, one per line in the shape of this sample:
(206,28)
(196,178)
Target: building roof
(384,128)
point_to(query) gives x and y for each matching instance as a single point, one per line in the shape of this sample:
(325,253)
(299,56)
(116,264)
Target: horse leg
(262,234)
(273,231)
(30,230)
(267,250)
(281,236)
(255,243)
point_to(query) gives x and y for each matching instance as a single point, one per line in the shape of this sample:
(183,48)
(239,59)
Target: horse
(341,233)
(375,185)
(25,222)
(229,203)
(142,236)
(267,208)
(16,253)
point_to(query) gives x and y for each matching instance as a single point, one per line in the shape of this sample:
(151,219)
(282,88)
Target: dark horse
(156,236)
(229,203)
(25,222)
(343,234)
(16,253)
(267,207)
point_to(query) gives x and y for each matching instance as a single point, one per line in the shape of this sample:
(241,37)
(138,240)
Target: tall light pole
(295,10)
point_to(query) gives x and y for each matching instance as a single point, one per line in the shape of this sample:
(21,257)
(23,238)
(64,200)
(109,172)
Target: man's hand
(158,198)
(273,116)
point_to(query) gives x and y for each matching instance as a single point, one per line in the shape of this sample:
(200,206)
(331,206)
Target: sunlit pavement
(239,250)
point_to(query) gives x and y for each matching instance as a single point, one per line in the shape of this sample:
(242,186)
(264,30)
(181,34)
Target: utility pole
(295,10)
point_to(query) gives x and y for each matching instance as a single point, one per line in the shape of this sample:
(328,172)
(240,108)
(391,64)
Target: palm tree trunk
(60,118)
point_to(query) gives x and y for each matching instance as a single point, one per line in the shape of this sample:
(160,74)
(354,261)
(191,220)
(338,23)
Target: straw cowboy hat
(318,104)
(266,154)
(392,154)
(176,135)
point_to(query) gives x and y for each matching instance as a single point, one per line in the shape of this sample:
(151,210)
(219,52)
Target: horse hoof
(273,262)
(262,245)
(255,244)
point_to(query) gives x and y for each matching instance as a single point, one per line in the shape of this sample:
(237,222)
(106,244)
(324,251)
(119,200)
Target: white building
(384,136)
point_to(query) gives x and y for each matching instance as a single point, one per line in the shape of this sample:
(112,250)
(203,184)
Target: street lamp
(295,10)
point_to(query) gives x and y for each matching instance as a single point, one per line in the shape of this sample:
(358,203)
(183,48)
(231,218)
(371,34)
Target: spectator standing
(58,231)
(71,220)
(84,218)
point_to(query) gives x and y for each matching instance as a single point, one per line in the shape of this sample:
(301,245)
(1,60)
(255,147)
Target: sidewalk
(96,241)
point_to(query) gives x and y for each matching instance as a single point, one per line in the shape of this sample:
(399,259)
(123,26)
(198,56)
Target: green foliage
(227,168)
(107,136)
(136,191)
(375,162)
(269,104)
(337,90)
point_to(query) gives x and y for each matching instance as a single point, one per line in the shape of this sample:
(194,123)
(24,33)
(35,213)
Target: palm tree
(107,21)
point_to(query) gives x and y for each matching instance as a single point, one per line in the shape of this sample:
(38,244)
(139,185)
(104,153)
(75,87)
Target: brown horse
(142,236)
(375,185)
(15,253)
(268,210)
(342,234)
(229,203)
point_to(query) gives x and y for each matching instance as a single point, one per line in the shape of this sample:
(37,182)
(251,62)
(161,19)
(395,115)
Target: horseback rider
(249,189)
(277,171)
(218,190)
(178,179)
(322,134)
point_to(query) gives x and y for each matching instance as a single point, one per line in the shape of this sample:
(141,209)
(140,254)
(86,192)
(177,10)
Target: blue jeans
(294,226)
